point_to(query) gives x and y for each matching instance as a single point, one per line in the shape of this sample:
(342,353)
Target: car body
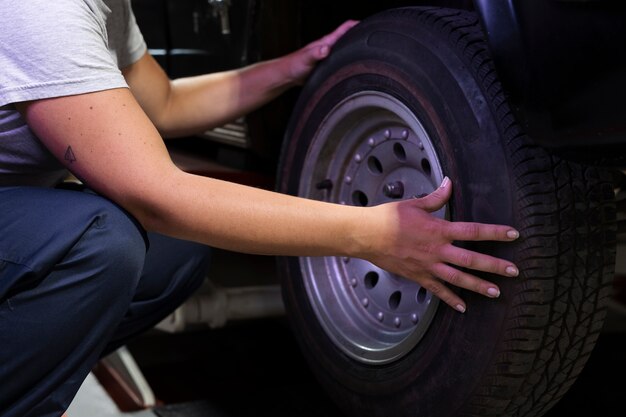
(563,63)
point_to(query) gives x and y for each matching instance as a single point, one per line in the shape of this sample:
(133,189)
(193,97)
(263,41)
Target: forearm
(119,154)
(196,104)
(192,105)
(247,219)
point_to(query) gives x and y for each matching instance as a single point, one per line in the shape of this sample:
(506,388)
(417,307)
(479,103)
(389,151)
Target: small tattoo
(69,155)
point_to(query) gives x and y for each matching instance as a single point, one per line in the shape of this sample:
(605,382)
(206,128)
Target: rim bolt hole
(375,166)
(371,279)
(399,152)
(421,295)
(359,198)
(426,166)
(394,300)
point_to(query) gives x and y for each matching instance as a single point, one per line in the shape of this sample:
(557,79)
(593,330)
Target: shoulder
(54,48)
(41,24)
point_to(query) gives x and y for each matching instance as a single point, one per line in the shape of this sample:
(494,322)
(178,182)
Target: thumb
(323,51)
(438,198)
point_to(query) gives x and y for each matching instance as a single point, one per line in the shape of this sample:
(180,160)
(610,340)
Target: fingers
(472,260)
(327,42)
(445,273)
(301,62)
(439,290)
(467,281)
(477,261)
(464,230)
(342,29)
(479,232)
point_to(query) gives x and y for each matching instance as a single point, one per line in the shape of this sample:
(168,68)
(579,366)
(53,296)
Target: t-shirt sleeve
(54,48)
(132,45)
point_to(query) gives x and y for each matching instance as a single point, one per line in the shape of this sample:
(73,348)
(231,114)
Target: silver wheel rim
(369,149)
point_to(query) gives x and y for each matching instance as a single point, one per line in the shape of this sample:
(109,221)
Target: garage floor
(255,370)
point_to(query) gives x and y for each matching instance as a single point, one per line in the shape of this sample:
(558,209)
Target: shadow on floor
(255,369)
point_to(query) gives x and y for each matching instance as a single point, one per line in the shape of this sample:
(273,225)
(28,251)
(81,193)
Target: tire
(408,96)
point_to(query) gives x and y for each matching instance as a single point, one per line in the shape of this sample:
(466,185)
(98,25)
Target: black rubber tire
(514,356)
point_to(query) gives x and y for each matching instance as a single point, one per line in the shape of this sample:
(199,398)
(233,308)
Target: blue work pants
(79,277)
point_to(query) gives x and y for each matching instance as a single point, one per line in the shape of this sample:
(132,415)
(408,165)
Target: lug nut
(394,189)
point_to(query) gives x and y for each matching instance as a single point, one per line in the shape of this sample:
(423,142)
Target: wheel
(408,96)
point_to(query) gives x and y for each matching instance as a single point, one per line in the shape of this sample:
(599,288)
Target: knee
(172,264)
(115,246)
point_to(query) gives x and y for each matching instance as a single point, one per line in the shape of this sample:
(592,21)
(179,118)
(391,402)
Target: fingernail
(512,234)
(512,271)
(460,308)
(324,50)
(445,182)
(493,292)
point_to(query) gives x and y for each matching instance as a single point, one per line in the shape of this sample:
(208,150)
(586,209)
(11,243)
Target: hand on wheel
(421,248)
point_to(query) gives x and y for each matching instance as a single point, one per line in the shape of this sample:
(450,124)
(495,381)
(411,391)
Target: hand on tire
(302,61)
(422,248)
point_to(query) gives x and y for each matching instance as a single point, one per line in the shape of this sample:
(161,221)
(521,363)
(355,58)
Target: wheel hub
(370,150)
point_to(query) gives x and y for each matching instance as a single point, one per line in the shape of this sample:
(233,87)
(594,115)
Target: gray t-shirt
(53,49)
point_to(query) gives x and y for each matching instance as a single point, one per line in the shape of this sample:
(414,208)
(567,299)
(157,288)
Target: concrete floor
(93,401)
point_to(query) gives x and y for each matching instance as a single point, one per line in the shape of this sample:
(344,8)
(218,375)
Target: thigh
(39,226)
(69,267)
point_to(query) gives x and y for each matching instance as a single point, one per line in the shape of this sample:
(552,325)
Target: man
(79,93)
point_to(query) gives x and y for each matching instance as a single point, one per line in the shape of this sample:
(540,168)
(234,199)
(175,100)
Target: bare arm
(120,154)
(194,104)
(117,149)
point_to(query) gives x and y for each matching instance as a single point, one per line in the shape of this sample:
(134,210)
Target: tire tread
(557,338)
